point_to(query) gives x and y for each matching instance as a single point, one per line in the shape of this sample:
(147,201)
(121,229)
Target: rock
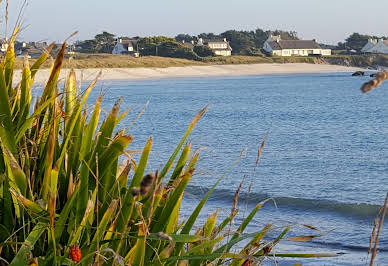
(358,73)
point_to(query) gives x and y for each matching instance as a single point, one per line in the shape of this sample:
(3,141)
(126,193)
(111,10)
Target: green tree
(208,35)
(203,51)
(87,46)
(176,50)
(105,42)
(285,35)
(240,40)
(150,45)
(185,37)
(166,47)
(356,41)
(260,36)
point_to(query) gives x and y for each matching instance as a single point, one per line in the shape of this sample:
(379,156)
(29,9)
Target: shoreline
(116,74)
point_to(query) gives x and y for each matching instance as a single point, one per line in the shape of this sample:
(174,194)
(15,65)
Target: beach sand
(195,71)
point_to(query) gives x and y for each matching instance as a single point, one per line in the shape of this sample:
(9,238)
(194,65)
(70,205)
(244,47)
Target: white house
(275,46)
(219,46)
(126,46)
(3,45)
(376,46)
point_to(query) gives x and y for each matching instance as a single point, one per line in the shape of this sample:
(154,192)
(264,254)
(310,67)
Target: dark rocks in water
(358,73)
(373,75)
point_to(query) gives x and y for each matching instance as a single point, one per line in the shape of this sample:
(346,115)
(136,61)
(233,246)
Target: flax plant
(65,199)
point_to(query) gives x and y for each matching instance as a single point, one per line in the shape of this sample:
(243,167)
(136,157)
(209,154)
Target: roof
(214,40)
(294,44)
(128,42)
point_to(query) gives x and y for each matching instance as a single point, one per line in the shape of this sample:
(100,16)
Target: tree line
(357,41)
(242,42)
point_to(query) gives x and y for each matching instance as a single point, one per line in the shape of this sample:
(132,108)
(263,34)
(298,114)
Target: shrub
(203,51)
(176,50)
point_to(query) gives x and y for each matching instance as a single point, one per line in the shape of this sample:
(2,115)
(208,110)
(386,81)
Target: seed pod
(146,183)
(164,236)
(246,263)
(135,191)
(33,262)
(267,249)
(75,253)
(370,85)
(381,76)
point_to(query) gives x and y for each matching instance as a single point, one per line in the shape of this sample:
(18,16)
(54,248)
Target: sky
(328,21)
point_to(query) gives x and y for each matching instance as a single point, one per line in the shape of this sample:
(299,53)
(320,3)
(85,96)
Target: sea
(324,163)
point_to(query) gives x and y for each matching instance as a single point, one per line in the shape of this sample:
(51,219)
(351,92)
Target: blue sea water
(325,161)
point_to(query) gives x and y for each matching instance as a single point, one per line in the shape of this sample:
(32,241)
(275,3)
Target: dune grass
(83,61)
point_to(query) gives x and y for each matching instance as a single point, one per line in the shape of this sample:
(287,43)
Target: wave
(360,210)
(337,245)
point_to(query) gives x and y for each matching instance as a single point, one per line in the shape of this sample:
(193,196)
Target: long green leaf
(102,227)
(170,161)
(180,164)
(39,62)
(22,256)
(142,164)
(64,215)
(194,215)
(6,126)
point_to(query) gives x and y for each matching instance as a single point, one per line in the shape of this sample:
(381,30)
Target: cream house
(3,45)
(275,46)
(126,46)
(219,46)
(376,46)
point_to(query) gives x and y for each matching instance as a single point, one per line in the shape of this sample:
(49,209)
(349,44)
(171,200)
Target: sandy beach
(196,71)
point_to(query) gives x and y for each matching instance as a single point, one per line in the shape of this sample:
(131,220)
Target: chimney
(224,39)
(183,41)
(192,42)
(120,40)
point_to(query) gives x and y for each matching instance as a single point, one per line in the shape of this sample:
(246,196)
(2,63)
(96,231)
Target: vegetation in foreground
(65,198)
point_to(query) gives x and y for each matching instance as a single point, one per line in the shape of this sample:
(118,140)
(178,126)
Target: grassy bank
(83,61)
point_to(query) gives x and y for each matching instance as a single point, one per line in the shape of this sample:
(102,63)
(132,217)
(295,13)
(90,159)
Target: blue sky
(327,21)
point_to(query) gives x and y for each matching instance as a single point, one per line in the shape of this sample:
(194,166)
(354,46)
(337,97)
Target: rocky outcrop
(358,73)
(342,61)
(373,61)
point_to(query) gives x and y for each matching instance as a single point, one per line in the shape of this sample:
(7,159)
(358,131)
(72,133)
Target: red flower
(75,253)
